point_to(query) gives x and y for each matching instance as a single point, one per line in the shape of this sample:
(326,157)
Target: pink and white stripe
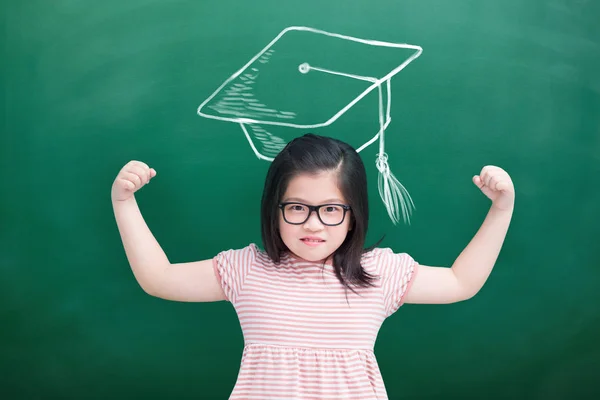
(305,337)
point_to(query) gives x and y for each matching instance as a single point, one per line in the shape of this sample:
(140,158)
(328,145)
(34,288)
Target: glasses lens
(295,213)
(331,214)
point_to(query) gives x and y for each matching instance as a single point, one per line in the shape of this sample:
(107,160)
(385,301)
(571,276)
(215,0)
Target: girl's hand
(130,179)
(496,184)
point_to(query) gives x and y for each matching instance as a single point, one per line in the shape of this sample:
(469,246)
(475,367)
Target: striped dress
(303,339)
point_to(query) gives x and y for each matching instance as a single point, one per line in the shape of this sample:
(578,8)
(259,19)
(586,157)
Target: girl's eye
(332,209)
(296,207)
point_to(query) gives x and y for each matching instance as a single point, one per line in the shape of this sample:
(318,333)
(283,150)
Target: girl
(311,304)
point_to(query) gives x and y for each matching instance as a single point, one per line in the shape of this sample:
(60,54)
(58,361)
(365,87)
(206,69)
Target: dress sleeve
(397,271)
(231,268)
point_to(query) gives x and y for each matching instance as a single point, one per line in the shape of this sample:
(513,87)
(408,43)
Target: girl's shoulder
(373,254)
(384,257)
(383,252)
(251,252)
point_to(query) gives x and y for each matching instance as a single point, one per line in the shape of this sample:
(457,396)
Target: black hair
(312,154)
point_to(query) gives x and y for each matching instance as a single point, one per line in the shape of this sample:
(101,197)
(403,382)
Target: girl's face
(313,240)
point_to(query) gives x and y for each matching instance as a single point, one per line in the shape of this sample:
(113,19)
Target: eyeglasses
(329,214)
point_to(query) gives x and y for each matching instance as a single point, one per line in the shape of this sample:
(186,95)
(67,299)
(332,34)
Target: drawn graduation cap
(305,79)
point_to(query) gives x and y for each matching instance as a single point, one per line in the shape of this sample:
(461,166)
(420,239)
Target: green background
(88,86)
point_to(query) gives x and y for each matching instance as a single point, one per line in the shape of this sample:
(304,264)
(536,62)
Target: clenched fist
(497,185)
(130,179)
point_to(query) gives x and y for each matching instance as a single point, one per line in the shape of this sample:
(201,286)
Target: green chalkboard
(88,86)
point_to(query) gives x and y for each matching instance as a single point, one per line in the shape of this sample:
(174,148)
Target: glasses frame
(345,207)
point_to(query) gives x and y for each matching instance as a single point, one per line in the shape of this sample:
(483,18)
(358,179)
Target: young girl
(311,304)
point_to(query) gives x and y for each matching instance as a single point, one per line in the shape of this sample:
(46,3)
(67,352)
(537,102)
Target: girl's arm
(152,269)
(469,272)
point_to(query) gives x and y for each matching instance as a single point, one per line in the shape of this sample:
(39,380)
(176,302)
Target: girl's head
(313,171)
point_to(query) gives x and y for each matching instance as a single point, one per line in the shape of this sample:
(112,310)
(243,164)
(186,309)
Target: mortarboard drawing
(259,99)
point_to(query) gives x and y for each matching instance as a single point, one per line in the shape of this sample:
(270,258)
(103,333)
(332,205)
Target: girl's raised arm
(473,266)
(194,281)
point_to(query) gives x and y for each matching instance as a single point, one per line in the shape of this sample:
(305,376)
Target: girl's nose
(313,222)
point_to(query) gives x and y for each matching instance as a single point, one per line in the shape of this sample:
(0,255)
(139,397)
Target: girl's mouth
(312,241)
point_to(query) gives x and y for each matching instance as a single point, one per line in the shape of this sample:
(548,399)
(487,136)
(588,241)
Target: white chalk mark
(272,144)
(306,67)
(260,156)
(238,100)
